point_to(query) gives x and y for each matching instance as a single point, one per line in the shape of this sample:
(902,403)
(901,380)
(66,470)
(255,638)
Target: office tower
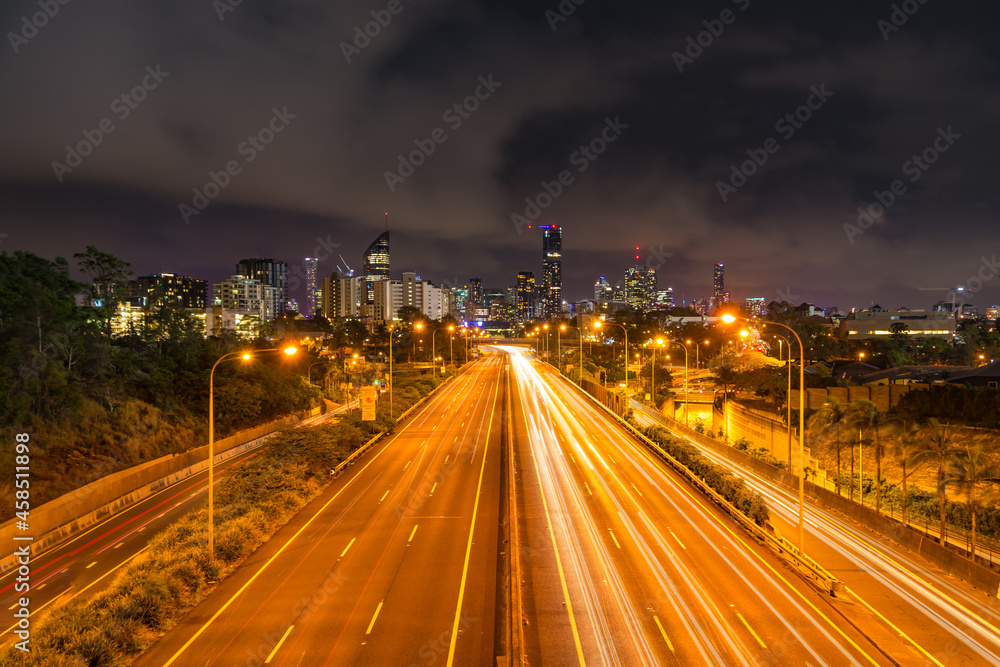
(375,265)
(246,297)
(474,299)
(756,305)
(640,287)
(664,299)
(163,289)
(312,302)
(525,296)
(339,296)
(268,272)
(602,290)
(552,268)
(719,295)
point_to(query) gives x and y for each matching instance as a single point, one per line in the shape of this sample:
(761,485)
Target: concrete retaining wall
(77,510)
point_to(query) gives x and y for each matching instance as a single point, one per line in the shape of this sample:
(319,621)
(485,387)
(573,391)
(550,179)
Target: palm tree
(938,446)
(863,414)
(970,471)
(830,414)
(906,434)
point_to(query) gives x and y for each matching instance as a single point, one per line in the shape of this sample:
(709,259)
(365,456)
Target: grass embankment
(153,592)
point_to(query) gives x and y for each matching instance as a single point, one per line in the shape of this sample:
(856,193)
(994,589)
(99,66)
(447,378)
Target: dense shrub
(972,406)
(725,483)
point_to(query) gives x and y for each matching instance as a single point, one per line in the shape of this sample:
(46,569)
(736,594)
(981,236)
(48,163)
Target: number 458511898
(22,462)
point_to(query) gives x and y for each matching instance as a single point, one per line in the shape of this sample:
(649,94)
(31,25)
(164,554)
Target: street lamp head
(563,327)
(659,341)
(597,324)
(290,350)
(744,333)
(451,327)
(418,325)
(246,356)
(728,318)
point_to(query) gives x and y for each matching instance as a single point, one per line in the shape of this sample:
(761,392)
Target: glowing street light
(246,356)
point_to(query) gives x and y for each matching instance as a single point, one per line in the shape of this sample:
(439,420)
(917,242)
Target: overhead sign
(368,403)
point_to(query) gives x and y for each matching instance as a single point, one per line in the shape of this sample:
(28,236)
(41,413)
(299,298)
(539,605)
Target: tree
(906,434)
(108,281)
(831,414)
(407,314)
(937,446)
(971,471)
(865,416)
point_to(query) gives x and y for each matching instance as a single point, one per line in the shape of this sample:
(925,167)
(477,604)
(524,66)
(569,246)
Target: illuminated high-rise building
(312,292)
(375,265)
(525,296)
(640,287)
(602,290)
(719,295)
(163,289)
(756,305)
(664,299)
(271,273)
(552,269)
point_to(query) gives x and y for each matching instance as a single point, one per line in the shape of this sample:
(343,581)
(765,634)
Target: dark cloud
(323,177)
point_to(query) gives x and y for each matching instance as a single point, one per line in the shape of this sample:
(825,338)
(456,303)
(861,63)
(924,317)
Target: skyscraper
(602,290)
(270,272)
(640,287)
(719,295)
(525,296)
(552,268)
(474,298)
(312,303)
(375,265)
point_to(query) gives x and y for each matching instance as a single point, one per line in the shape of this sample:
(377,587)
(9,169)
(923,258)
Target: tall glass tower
(552,269)
(376,265)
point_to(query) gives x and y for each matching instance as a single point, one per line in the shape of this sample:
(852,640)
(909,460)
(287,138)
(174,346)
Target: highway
(623,563)
(913,604)
(83,565)
(394,564)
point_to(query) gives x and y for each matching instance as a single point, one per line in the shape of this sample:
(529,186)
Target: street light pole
(729,319)
(687,391)
(788,396)
(246,356)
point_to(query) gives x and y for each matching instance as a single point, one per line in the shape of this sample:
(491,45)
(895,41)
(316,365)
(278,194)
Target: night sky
(679,118)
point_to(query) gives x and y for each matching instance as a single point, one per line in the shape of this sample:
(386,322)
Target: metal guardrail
(828,581)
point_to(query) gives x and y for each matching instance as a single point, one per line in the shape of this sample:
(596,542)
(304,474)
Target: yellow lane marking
(302,529)
(42,586)
(407,465)
(342,553)
(412,533)
(119,544)
(678,539)
(280,642)
(434,487)
(755,635)
(446,458)
(384,495)
(633,486)
(614,538)
(472,530)
(91,565)
(663,632)
(11,608)
(374,618)
(555,548)
(587,486)
(891,625)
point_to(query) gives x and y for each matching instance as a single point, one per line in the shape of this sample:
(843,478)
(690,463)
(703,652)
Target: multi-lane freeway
(618,560)
(910,604)
(625,564)
(394,564)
